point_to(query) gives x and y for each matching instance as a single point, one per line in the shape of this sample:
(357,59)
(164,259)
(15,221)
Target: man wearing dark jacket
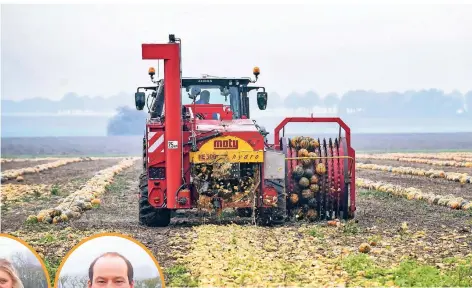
(204,97)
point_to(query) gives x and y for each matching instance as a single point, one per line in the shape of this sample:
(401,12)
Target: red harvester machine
(201,150)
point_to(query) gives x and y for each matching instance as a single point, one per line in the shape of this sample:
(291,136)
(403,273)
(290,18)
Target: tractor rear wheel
(148,215)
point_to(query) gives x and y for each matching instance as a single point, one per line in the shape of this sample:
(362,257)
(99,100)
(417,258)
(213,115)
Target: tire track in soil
(23,164)
(416,165)
(119,212)
(69,178)
(437,186)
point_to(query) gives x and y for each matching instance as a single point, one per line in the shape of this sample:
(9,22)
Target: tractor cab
(208,96)
(226,97)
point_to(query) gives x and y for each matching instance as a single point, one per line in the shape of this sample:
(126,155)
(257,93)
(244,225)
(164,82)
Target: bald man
(111,270)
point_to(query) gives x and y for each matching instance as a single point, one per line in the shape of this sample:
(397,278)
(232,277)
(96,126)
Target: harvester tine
(288,170)
(326,179)
(325,182)
(346,171)
(338,178)
(332,181)
(320,184)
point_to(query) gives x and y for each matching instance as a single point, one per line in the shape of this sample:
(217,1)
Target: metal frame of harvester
(179,138)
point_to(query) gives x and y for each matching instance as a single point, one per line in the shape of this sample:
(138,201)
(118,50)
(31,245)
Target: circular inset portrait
(109,260)
(20,265)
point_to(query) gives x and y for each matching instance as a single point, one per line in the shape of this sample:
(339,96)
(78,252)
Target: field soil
(229,250)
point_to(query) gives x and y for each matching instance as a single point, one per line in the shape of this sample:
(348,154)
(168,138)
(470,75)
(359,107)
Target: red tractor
(201,150)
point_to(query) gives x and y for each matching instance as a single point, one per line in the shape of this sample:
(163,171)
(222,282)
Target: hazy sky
(49,50)
(9,247)
(80,259)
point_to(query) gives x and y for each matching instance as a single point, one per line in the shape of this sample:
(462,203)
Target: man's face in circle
(110,271)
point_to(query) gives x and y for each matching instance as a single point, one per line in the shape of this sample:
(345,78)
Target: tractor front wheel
(148,215)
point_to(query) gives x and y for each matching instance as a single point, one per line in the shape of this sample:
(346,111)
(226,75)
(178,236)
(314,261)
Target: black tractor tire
(148,215)
(268,217)
(264,217)
(244,212)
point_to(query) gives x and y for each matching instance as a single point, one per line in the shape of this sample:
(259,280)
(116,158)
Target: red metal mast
(170,53)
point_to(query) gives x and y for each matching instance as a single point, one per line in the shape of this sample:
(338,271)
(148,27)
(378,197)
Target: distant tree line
(409,104)
(430,103)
